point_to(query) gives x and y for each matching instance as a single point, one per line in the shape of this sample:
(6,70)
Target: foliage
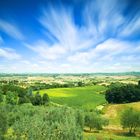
(37,100)
(23,100)
(10,87)
(1,97)
(130,119)
(41,123)
(3,123)
(17,95)
(139,83)
(11,98)
(95,121)
(123,94)
(45,99)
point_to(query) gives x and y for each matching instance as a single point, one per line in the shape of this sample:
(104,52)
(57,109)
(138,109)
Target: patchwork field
(85,97)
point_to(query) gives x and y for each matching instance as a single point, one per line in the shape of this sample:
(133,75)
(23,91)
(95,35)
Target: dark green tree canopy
(123,93)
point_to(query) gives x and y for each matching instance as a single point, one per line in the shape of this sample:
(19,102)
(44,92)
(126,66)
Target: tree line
(13,95)
(122,93)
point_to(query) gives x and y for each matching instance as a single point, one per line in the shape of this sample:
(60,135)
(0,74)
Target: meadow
(83,97)
(89,98)
(73,94)
(113,111)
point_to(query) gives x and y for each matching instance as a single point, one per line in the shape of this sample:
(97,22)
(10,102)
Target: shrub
(53,123)
(11,98)
(95,121)
(45,99)
(3,123)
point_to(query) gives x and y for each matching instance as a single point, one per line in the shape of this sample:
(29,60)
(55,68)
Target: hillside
(85,97)
(113,111)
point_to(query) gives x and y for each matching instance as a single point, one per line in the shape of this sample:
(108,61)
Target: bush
(45,99)
(130,119)
(41,123)
(95,121)
(1,97)
(23,100)
(3,123)
(36,100)
(11,98)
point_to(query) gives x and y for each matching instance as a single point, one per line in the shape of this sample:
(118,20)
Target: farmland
(85,97)
(74,95)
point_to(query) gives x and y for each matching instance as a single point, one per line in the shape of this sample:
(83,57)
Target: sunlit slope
(113,111)
(85,97)
(107,136)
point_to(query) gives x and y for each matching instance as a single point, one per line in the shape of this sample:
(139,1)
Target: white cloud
(108,53)
(46,51)
(9,54)
(101,17)
(60,23)
(132,28)
(11,29)
(90,47)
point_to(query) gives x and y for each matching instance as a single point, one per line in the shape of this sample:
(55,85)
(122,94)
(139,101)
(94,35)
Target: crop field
(85,97)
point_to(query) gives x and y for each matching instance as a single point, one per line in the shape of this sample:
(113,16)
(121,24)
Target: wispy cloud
(46,51)
(94,45)
(11,29)
(132,28)
(60,24)
(94,39)
(9,54)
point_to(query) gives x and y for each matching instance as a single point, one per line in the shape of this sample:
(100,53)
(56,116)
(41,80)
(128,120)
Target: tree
(24,99)
(11,98)
(3,123)
(95,121)
(53,123)
(37,100)
(45,99)
(123,93)
(139,83)
(130,119)
(80,84)
(1,97)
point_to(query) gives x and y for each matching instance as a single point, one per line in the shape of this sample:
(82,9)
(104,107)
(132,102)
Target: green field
(85,97)
(90,98)
(113,111)
(108,136)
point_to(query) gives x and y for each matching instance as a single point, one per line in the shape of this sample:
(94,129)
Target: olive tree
(3,123)
(45,99)
(1,97)
(53,123)
(130,119)
(11,98)
(95,121)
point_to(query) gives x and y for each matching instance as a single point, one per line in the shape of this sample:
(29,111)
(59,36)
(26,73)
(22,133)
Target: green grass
(107,136)
(85,97)
(113,111)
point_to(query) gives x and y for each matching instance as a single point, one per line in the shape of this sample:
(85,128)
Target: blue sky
(69,36)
